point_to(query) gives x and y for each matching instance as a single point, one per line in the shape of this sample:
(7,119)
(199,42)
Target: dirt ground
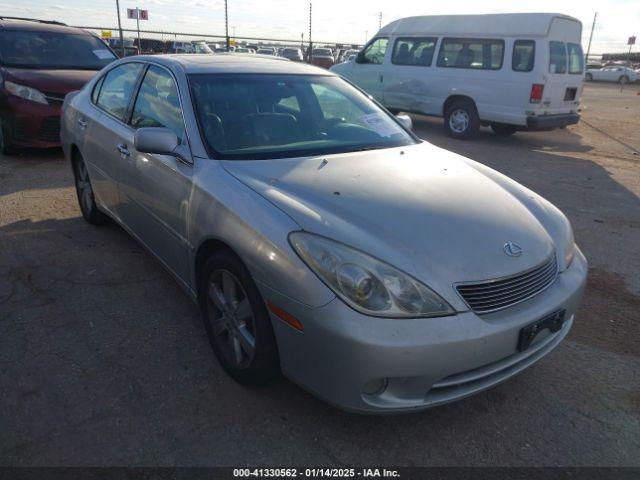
(104,361)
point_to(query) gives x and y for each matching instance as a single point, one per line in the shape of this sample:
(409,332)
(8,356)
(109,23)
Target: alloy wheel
(231,318)
(85,194)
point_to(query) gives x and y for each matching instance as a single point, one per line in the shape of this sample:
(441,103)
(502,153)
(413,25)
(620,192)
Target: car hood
(420,208)
(55,81)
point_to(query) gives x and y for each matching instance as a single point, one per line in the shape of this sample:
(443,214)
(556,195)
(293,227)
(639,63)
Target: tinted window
(45,50)
(576,58)
(254,116)
(374,52)
(158,104)
(557,57)
(117,88)
(472,53)
(524,53)
(413,51)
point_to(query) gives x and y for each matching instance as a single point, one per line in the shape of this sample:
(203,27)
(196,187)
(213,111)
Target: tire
(623,80)
(84,191)
(461,119)
(503,130)
(236,320)
(588,77)
(5,141)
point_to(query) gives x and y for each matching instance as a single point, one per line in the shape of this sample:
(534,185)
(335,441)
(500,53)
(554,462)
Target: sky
(343,21)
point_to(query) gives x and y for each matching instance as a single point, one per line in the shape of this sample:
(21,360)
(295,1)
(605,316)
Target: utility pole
(586,58)
(380,22)
(120,29)
(226,23)
(310,57)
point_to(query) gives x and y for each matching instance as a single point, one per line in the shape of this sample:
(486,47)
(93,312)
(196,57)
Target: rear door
(368,71)
(108,134)
(566,69)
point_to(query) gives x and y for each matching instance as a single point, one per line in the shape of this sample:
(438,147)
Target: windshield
(46,50)
(322,52)
(202,48)
(291,51)
(259,116)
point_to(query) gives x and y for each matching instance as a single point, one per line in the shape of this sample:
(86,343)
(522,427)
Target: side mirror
(405,120)
(360,57)
(159,140)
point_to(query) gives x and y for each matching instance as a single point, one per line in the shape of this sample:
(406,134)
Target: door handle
(124,151)
(82,123)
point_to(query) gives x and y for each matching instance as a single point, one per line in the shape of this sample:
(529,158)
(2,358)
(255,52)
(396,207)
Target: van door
(566,67)
(408,75)
(368,72)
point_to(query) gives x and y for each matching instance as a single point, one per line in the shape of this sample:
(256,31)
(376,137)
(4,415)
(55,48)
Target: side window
(576,58)
(117,88)
(557,57)
(96,90)
(374,52)
(158,104)
(474,53)
(413,51)
(524,54)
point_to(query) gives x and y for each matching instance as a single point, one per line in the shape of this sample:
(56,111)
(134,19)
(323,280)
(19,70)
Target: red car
(40,62)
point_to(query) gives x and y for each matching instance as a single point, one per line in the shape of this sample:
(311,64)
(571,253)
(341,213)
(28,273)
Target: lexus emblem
(512,249)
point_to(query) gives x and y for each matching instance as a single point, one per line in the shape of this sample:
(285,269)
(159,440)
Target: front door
(368,72)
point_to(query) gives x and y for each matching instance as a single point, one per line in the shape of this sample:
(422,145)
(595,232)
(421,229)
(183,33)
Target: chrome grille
(492,295)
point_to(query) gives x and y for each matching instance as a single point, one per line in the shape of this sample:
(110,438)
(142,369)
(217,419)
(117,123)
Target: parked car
(40,62)
(244,50)
(150,45)
(319,236)
(179,47)
(294,54)
(265,51)
(130,48)
(618,73)
(322,57)
(520,71)
(201,47)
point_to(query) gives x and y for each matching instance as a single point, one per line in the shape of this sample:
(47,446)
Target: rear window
(576,58)
(414,51)
(524,54)
(46,50)
(478,54)
(557,57)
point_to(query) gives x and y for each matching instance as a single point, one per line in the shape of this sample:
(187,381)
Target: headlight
(365,283)
(25,92)
(569,249)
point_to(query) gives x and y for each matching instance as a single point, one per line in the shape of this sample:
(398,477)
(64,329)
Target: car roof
(234,63)
(27,24)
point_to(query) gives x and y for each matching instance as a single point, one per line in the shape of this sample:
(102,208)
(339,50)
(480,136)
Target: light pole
(310,57)
(226,23)
(586,58)
(120,29)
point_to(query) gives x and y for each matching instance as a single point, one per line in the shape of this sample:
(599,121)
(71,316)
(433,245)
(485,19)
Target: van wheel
(623,80)
(461,119)
(503,130)
(588,77)
(88,206)
(236,320)
(5,141)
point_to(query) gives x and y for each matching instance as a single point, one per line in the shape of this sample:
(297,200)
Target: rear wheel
(90,211)
(623,80)
(503,130)
(461,119)
(236,320)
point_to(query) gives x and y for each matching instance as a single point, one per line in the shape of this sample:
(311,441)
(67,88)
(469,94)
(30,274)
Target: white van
(517,71)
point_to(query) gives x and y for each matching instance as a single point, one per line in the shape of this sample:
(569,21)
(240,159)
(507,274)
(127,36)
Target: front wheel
(236,320)
(461,119)
(623,80)
(5,141)
(503,130)
(90,211)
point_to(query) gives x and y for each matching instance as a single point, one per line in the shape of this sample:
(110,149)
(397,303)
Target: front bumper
(426,362)
(31,124)
(549,122)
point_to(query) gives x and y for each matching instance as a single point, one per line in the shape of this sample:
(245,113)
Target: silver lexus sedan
(318,235)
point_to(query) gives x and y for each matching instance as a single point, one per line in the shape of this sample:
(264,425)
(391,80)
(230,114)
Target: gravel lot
(103,359)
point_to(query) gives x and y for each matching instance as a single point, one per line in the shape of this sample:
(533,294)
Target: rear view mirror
(405,120)
(158,140)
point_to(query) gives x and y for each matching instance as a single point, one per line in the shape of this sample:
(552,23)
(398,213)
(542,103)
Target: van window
(524,54)
(414,51)
(475,53)
(374,52)
(557,57)
(576,58)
